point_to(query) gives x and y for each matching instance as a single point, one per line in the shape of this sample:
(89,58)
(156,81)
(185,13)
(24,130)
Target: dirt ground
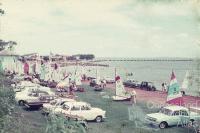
(156,97)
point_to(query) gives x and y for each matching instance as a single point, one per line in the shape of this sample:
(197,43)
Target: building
(8,60)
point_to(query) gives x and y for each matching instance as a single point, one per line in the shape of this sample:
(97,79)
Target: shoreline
(155,98)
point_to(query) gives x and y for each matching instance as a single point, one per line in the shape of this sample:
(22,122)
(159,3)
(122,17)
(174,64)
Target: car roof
(131,79)
(176,108)
(76,103)
(67,99)
(148,81)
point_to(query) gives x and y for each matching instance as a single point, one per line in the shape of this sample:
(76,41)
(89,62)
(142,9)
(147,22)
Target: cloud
(106,28)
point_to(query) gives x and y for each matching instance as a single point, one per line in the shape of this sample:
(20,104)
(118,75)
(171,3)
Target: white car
(81,110)
(22,85)
(57,103)
(32,93)
(109,80)
(171,116)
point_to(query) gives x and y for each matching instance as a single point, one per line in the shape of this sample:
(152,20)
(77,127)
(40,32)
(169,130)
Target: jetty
(143,59)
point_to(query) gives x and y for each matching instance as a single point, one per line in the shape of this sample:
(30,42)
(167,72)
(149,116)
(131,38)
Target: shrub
(7,103)
(60,124)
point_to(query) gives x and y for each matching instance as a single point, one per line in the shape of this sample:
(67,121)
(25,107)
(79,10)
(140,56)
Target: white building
(9,61)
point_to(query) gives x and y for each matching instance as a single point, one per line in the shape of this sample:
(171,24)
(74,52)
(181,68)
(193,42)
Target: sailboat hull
(120,98)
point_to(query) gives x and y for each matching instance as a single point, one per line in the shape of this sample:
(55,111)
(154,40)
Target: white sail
(98,79)
(78,78)
(186,81)
(120,90)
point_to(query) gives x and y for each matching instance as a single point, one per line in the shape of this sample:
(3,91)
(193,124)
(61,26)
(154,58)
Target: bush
(7,103)
(59,124)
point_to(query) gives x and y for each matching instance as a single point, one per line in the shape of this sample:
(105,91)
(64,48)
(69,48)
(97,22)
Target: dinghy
(120,93)
(174,95)
(77,82)
(186,83)
(99,86)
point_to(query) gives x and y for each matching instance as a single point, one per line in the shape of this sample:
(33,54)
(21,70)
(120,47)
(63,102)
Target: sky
(105,28)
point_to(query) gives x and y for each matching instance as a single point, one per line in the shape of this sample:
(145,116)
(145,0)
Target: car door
(86,113)
(175,118)
(184,116)
(75,111)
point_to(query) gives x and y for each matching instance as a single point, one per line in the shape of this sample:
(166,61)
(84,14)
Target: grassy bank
(122,117)
(13,118)
(16,119)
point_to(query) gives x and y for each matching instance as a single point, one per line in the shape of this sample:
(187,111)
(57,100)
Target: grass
(122,117)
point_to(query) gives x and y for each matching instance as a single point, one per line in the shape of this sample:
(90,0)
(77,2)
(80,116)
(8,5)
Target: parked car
(32,93)
(38,103)
(131,83)
(82,110)
(44,83)
(90,78)
(171,116)
(98,88)
(52,84)
(57,103)
(109,80)
(93,83)
(149,86)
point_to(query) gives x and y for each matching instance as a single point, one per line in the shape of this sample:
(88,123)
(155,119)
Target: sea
(155,71)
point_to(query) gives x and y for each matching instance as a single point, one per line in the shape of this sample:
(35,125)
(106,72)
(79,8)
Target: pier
(105,60)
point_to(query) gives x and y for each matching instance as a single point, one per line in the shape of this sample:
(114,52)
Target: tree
(2,11)
(9,44)
(87,56)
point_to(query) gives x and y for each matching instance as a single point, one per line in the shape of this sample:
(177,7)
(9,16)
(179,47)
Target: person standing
(133,96)
(26,68)
(42,70)
(163,87)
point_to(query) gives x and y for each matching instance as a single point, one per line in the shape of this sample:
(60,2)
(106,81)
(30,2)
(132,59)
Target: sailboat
(98,79)
(186,82)
(174,94)
(77,78)
(120,93)
(98,84)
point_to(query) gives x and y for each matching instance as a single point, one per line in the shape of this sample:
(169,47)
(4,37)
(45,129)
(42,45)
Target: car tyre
(21,103)
(162,125)
(191,123)
(98,119)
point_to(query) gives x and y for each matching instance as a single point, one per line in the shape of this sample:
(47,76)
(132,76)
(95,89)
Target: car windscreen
(166,111)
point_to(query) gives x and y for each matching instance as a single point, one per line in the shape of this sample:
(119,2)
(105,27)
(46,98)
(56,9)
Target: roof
(7,53)
(76,103)
(175,108)
(31,54)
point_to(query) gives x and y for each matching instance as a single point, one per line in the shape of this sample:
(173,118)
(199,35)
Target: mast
(198,75)
(96,74)
(115,80)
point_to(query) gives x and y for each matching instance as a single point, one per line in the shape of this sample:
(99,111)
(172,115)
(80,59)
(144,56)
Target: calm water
(154,71)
